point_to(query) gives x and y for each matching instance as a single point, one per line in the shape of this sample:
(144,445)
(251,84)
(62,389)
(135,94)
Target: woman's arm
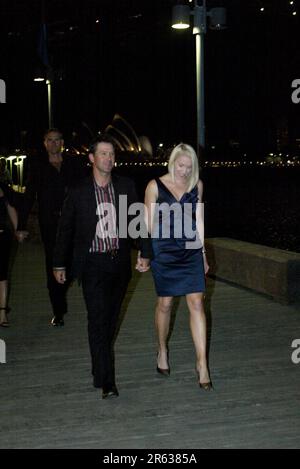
(200,214)
(151,196)
(200,224)
(142,265)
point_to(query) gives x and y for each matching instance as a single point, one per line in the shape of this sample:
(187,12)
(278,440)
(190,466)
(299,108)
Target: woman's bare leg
(195,302)
(162,325)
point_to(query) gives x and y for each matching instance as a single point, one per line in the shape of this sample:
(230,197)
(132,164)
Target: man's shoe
(56,322)
(110,392)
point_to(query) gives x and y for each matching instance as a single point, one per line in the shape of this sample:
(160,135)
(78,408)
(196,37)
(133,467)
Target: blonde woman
(179,263)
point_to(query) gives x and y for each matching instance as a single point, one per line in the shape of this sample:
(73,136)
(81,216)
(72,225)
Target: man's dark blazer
(49,187)
(77,226)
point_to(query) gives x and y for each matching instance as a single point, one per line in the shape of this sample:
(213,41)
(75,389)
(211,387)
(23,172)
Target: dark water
(259,204)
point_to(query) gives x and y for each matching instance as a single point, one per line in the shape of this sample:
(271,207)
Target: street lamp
(11,158)
(181,20)
(48,77)
(49,92)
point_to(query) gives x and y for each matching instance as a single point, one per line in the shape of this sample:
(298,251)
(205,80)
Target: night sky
(131,62)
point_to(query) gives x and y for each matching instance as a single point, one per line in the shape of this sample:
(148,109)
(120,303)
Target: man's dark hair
(102,138)
(53,129)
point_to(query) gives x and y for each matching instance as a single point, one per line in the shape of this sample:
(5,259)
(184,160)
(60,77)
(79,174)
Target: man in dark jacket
(92,226)
(49,178)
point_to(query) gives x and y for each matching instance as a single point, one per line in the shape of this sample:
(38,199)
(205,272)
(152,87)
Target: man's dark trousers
(57,291)
(104,285)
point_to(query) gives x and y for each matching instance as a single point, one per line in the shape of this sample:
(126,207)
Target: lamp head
(43,74)
(180,17)
(39,74)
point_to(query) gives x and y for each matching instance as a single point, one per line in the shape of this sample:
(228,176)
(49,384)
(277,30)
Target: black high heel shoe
(163,371)
(205,386)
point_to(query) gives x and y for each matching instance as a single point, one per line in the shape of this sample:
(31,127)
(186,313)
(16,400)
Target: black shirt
(49,186)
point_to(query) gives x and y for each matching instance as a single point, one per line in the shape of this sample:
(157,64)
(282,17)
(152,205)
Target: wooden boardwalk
(47,397)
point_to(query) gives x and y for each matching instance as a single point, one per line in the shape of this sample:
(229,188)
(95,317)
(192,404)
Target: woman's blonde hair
(185,150)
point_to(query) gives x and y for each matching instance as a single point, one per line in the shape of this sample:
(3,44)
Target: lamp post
(181,20)
(47,73)
(48,77)
(49,93)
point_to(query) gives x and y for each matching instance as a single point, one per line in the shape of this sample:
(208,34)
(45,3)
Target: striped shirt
(106,237)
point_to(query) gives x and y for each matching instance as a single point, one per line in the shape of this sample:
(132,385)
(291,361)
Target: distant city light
(262,9)
(294,13)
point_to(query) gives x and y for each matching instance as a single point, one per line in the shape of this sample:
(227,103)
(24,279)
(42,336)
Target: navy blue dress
(176,267)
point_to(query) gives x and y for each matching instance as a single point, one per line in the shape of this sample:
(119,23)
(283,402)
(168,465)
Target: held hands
(60,275)
(21,235)
(142,265)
